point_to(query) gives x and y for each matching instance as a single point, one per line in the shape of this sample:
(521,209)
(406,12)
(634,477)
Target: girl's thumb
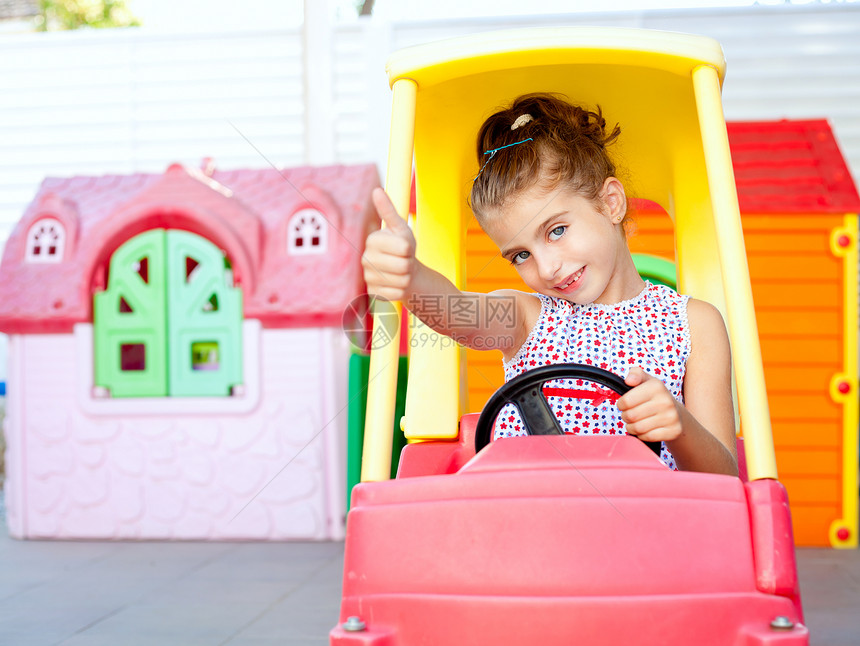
(387,211)
(635,377)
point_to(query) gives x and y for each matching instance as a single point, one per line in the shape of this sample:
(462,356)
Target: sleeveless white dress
(650,330)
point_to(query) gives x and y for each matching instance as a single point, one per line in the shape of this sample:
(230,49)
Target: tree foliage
(75,14)
(364,7)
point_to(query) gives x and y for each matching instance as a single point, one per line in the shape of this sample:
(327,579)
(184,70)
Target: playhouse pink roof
(244,212)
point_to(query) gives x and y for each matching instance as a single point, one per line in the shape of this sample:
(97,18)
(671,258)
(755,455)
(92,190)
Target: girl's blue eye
(519,257)
(556,233)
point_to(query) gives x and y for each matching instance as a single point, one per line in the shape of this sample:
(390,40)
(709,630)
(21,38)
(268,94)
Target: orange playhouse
(799,209)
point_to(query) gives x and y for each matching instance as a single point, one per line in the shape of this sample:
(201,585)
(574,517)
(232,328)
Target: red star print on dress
(650,330)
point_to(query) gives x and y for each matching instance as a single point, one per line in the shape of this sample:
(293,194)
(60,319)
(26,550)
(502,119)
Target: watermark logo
(464,311)
(431,339)
(460,314)
(357,322)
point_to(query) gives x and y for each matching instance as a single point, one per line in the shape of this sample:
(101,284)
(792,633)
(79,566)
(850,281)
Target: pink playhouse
(177,365)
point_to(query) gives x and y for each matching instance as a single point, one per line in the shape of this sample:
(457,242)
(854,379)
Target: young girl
(548,197)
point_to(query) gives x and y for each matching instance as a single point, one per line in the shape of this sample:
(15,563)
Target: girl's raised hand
(389,255)
(649,410)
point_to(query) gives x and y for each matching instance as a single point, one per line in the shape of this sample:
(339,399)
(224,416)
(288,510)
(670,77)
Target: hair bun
(592,125)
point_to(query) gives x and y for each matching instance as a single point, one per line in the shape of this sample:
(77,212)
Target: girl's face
(562,245)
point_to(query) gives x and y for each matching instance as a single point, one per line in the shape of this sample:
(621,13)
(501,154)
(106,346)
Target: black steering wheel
(526,393)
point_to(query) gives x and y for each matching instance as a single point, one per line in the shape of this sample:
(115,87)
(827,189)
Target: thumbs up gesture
(389,256)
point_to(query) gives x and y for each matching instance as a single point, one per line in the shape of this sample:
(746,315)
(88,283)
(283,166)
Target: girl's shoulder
(526,309)
(527,300)
(704,325)
(705,318)
(532,304)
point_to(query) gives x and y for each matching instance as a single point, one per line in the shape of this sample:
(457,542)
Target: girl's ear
(614,199)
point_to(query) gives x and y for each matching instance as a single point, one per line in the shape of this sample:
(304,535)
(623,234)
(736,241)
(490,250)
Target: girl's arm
(392,271)
(701,433)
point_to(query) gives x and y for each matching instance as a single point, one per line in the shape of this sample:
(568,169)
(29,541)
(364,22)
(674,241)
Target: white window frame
(39,229)
(304,231)
(94,401)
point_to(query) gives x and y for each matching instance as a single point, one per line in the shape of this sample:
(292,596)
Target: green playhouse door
(170,321)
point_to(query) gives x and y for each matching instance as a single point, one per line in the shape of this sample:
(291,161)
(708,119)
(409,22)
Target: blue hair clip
(493,152)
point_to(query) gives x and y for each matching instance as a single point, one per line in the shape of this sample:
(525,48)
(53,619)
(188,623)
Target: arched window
(46,241)
(307,232)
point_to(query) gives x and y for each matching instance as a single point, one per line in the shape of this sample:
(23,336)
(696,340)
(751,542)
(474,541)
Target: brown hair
(568,146)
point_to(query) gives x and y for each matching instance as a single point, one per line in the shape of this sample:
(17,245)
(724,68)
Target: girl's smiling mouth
(571,282)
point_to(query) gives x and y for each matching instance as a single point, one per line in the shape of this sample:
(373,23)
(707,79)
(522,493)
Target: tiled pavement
(188,594)
(256,594)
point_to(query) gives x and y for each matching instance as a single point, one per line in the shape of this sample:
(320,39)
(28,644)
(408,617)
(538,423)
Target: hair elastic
(492,153)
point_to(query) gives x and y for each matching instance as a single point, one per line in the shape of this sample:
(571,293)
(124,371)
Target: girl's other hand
(649,410)
(389,255)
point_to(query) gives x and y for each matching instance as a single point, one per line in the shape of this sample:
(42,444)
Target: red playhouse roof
(244,212)
(790,167)
(787,167)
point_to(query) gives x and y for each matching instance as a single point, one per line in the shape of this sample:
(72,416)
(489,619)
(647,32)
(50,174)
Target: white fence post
(317,35)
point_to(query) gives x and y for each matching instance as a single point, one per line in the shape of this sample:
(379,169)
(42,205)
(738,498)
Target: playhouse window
(204,355)
(132,357)
(169,323)
(46,241)
(307,232)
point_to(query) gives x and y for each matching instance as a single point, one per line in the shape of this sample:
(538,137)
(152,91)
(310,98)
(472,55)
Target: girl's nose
(548,266)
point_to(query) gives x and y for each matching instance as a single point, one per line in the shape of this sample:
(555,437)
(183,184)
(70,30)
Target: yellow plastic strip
(432,408)
(746,350)
(441,61)
(382,378)
(843,387)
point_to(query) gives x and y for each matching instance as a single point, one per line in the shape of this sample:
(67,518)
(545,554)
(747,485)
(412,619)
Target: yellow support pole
(746,350)
(844,386)
(382,378)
